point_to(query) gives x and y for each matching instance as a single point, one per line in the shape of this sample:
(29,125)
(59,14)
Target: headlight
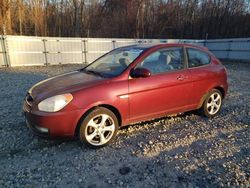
(55,103)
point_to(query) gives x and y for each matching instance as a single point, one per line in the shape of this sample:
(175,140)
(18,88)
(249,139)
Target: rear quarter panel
(205,78)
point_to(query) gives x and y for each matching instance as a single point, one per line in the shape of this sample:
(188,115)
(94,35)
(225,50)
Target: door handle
(181,78)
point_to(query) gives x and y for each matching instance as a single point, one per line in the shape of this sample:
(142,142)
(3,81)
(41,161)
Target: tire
(212,104)
(98,128)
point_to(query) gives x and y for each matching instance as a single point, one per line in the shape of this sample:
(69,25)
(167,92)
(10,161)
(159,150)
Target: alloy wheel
(214,103)
(100,129)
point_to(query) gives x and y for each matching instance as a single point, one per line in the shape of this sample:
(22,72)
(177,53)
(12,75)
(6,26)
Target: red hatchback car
(127,85)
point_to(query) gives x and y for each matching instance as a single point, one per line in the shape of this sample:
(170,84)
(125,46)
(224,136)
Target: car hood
(65,83)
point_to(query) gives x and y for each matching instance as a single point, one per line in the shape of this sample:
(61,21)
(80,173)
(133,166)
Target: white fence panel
(53,46)
(244,55)
(24,50)
(125,42)
(54,58)
(64,51)
(24,44)
(23,59)
(72,57)
(217,46)
(220,54)
(240,49)
(234,49)
(97,47)
(242,46)
(1,60)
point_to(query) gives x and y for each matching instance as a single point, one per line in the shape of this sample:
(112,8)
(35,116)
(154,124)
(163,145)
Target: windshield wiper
(93,72)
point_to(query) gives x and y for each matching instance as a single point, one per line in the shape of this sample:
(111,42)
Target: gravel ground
(182,151)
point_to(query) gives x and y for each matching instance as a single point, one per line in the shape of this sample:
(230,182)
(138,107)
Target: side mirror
(140,73)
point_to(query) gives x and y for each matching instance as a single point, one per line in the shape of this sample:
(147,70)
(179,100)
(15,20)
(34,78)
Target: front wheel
(212,104)
(98,128)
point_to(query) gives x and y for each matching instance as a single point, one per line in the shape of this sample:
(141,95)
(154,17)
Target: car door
(165,91)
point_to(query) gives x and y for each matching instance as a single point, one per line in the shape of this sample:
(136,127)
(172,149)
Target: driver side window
(163,60)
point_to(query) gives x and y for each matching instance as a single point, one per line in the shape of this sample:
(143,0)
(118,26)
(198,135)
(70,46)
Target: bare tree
(130,18)
(5,13)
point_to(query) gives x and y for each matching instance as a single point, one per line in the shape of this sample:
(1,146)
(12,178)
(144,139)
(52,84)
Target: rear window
(197,58)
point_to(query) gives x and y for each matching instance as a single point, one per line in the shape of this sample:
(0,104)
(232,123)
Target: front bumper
(39,131)
(56,124)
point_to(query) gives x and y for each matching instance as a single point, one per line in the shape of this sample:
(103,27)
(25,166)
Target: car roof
(157,45)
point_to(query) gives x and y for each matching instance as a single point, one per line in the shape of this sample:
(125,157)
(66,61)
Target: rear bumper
(225,88)
(58,124)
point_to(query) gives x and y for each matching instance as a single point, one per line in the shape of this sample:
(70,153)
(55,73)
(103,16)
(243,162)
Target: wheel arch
(220,88)
(109,107)
(114,110)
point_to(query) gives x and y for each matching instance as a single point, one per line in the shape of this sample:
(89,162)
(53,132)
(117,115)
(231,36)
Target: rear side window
(197,58)
(164,60)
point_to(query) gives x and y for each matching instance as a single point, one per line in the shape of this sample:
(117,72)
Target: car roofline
(159,45)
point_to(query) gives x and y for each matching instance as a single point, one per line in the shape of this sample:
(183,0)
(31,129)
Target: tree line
(197,19)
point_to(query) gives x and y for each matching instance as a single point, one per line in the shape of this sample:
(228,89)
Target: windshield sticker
(135,51)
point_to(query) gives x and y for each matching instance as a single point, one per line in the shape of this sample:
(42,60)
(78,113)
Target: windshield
(115,62)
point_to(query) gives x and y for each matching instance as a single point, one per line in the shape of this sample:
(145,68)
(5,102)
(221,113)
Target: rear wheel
(98,128)
(212,104)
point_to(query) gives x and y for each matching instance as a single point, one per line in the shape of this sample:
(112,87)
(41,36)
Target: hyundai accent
(127,85)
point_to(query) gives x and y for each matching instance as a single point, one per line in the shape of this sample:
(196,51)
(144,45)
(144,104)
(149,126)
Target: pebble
(204,152)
